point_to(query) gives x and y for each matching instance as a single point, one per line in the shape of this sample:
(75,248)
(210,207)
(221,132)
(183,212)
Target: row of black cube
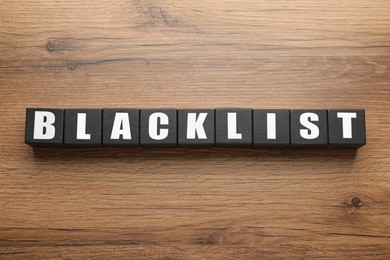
(249,128)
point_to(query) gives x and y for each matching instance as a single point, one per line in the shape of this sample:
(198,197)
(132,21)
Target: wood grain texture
(183,203)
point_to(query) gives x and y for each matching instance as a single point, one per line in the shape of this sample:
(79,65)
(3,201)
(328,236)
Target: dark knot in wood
(356,202)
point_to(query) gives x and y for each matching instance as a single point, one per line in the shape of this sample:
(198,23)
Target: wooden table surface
(188,203)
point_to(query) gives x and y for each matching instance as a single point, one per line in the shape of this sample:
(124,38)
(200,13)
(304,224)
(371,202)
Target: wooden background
(194,204)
